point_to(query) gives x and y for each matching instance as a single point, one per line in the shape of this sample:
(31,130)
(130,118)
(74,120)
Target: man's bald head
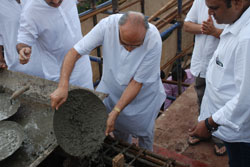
(133,27)
(135,19)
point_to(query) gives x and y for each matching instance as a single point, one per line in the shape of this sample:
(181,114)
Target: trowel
(10,105)
(11,138)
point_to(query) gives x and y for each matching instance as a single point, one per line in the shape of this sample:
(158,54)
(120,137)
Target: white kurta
(205,45)
(227,95)
(55,30)
(9,15)
(120,66)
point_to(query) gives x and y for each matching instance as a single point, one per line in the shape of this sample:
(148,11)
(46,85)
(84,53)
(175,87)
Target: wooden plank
(118,161)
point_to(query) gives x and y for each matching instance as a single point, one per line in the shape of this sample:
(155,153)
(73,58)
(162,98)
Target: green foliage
(86,5)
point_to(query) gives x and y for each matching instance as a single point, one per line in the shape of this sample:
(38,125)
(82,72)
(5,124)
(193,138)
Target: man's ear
(238,4)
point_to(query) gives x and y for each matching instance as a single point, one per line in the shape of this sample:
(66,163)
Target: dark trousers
(239,154)
(200,85)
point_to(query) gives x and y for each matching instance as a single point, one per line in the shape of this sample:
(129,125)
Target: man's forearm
(192,27)
(129,94)
(67,67)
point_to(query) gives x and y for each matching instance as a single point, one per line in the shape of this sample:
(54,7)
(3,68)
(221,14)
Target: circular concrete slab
(80,122)
(11,138)
(7,107)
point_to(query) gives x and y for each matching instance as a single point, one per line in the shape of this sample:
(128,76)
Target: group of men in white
(47,33)
(49,41)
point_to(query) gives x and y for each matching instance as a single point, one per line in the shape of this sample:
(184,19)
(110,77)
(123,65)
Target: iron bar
(99,9)
(179,42)
(115,6)
(165,34)
(96,59)
(143,6)
(98,49)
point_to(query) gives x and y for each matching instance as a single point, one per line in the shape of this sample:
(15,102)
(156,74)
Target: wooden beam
(171,61)
(169,5)
(118,161)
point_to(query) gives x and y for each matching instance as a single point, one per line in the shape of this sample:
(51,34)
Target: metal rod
(99,9)
(143,6)
(179,42)
(98,48)
(105,4)
(165,34)
(96,59)
(115,6)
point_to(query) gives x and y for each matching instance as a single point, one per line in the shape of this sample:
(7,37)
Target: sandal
(192,140)
(218,145)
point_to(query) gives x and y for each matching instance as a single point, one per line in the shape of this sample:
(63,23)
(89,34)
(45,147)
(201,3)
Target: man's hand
(2,63)
(110,125)
(24,55)
(208,28)
(200,131)
(58,97)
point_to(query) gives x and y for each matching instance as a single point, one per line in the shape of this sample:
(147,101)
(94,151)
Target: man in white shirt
(10,14)
(131,50)
(55,26)
(207,33)
(226,102)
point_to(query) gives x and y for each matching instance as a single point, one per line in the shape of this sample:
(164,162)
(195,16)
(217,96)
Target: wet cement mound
(79,124)
(7,107)
(11,138)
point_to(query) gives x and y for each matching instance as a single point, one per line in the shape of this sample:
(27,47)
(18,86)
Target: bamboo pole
(132,3)
(171,61)
(169,5)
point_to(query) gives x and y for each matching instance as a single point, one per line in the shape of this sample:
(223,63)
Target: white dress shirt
(205,45)
(10,15)
(120,66)
(56,30)
(227,95)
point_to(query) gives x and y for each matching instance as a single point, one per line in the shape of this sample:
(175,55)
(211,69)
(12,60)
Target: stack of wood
(169,12)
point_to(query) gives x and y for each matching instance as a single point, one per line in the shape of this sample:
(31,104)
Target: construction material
(165,8)
(19,92)
(11,138)
(7,107)
(114,151)
(79,124)
(36,120)
(118,161)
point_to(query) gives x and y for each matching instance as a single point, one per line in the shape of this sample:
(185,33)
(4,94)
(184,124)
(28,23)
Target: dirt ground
(171,134)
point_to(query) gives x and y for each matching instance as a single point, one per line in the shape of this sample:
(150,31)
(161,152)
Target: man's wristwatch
(210,128)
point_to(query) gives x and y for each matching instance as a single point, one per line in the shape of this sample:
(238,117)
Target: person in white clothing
(225,109)
(55,26)
(207,33)
(10,14)
(131,50)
